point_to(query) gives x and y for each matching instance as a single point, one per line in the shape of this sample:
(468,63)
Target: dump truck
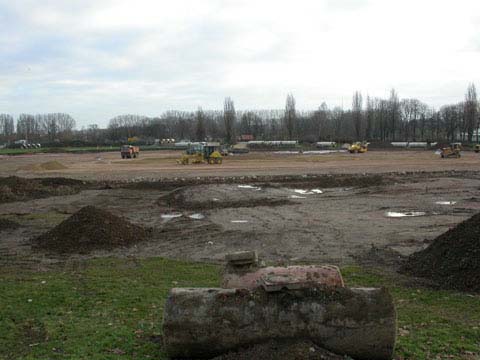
(451,151)
(202,152)
(358,147)
(129,151)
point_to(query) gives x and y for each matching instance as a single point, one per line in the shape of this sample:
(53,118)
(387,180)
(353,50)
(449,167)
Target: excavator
(202,152)
(358,147)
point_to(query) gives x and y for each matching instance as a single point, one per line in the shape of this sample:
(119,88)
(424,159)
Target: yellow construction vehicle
(476,148)
(199,153)
(358,147)
(452,151)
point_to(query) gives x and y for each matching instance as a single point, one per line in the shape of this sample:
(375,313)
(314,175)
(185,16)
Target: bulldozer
(451,151)
(358,147)
(199,153)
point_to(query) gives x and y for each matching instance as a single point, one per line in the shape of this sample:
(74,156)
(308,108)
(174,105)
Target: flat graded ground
(161,164)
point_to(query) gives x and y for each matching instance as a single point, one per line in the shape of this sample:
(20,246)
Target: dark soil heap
(88,229)
(14,188)
(273,350)
(6,224)
(452,259)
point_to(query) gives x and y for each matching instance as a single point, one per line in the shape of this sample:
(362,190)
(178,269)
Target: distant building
(246,137)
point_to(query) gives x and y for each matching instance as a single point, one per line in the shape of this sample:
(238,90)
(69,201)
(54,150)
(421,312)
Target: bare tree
(200,132)
(290,116)
(7,127)
(357,115)
(394,113)
(471,112)
(229,120)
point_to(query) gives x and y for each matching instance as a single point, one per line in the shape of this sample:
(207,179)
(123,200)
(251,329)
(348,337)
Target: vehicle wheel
(134,156)
(443,156)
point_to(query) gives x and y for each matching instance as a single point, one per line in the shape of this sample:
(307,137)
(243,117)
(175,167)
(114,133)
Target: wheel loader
(358,147)
(452,151)
(199,153)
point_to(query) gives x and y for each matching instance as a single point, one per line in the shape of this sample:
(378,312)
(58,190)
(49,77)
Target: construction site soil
(89,229)
(338,208)
(452,259)
(14,188)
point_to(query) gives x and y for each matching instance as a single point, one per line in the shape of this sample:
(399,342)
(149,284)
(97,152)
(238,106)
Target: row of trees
(373,119)
(34,128)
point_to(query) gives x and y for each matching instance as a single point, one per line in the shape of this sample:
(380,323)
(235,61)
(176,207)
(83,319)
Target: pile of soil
(6,224)
(14,188)
(89,229)
(453,259)
(177,199)
(46,166)
(273,350)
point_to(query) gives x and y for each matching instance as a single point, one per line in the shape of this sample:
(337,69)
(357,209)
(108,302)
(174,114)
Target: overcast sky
(97,59)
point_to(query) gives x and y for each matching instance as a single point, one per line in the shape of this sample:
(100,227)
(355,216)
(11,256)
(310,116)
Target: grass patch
(112,308)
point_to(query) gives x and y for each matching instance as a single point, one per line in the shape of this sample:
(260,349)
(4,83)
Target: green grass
(112,308)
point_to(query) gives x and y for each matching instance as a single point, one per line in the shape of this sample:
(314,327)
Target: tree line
(370,118)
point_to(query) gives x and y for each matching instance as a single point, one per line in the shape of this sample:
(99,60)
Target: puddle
(197,216)
(249,187)
(445,202)
(239,221)
(297,197)
(394,214)
(308,192)
(170,216)
(215,199)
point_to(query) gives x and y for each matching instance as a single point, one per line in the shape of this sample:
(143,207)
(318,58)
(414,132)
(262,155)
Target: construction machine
(358,147)
(476,148)
(199,153)
(129,151)
(451,151)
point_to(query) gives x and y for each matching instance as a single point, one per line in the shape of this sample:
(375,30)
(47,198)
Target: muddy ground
(315,220)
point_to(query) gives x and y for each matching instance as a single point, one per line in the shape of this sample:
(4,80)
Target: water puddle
(297,197)
(197,216)
(308,192)
(249,187)
(445,202)
(394,214)
(170,216)
(239,221)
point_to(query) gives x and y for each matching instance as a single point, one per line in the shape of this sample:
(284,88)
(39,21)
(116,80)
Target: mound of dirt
(89,229)
(14,188)
(6,224)
(273,350)
(46,166)
(188,199)
(453,259)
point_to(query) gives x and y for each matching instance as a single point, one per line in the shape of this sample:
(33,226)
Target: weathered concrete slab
(358,322)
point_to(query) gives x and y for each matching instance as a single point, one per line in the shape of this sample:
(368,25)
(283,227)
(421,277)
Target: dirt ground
(162,164)
(299,221)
